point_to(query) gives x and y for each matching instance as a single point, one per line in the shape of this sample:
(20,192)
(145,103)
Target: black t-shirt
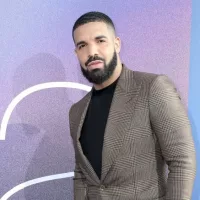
(93,129)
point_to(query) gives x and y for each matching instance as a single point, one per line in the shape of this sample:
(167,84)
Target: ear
(117,44)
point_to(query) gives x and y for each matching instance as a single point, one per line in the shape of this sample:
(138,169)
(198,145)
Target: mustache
(93,58)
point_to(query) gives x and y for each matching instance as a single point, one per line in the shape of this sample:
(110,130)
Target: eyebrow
(100,37)
(79,43)
(96,38)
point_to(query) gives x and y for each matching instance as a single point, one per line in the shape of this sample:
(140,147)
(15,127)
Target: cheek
(106,51)
(109,55)
(81,58)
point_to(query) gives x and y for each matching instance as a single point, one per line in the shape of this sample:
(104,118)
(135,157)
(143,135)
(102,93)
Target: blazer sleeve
(171,125)
(80,188)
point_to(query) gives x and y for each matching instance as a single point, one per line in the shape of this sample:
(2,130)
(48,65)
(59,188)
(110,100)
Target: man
(131,129)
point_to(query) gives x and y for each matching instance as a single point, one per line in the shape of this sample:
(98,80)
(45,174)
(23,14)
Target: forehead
(91,30)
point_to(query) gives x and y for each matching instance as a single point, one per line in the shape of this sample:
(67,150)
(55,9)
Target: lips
(96,62)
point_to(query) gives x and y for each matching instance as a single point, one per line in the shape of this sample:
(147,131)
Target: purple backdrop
(36,47)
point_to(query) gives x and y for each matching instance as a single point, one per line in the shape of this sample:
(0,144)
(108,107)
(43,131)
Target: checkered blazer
(147,135)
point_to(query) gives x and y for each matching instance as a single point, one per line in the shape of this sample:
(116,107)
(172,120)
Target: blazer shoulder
(145,77)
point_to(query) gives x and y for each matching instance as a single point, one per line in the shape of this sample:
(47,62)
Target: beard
(98,76)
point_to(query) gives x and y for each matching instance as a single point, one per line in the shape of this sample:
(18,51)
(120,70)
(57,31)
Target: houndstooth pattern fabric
(148,151)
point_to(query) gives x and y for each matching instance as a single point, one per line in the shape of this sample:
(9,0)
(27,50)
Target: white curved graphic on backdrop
(6,118)
(31,90)
(35,181)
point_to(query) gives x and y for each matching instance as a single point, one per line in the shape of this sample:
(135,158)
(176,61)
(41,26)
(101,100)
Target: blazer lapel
(118,124)
(85,164)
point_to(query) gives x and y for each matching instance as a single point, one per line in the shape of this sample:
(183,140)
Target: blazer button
(102,187)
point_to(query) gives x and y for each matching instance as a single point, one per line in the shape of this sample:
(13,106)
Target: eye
(100,41)
(81,46)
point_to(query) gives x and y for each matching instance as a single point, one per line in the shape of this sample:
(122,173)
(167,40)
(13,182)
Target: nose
(92,50)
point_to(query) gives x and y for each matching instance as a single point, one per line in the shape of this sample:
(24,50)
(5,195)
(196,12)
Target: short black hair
(93,16)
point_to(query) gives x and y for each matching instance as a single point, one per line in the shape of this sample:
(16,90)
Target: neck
(111,80)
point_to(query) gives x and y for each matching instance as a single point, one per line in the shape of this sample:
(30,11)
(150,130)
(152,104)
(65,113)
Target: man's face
(97,50)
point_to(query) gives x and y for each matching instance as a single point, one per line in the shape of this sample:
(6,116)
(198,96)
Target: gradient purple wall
(36,47)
